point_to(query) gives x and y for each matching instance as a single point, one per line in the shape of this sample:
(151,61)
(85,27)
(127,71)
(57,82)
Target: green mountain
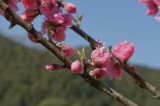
(24,82)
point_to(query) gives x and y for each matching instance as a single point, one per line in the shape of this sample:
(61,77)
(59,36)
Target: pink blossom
(100,58)
(114,71)
(12,5)
(57,33)
(50,10)
(56,15)
(157,2)
(123,50)
(28,15)
(52,67)
(70,7)
(67,50)
(77,67)
(30,4)
(67,20)
(152,6)
(99,73)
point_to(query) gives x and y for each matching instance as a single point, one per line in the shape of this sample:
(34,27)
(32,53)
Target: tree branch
(84,35)
(140,81)
(91,81)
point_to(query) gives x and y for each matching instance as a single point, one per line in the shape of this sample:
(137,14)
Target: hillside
(24,82)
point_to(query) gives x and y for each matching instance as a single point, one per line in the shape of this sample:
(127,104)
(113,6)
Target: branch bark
(91,81)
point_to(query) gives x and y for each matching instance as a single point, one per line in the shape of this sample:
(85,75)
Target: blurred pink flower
(99,73)
(114,71)
(57,33)
(152,6)
(77,67)
(70,7)
(11,4)
(55,15)
(67,20)
(52,67)
(30,4)
(67,50)
(100,58)
(28,15)
(123,50)
(157,2)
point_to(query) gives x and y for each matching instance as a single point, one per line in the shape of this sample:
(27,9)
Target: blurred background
(24,81)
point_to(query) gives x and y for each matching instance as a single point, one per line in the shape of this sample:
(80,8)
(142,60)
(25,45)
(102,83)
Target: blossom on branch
(67,50)
(114,71)
(100,58)
(52,67)
(30,4)
(123,50)
(70,7)
(28,15)
(152,6)
(77,67)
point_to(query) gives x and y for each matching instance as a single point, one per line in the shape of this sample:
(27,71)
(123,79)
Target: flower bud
(70,7)
(77,67)
(67,50)
(52,67)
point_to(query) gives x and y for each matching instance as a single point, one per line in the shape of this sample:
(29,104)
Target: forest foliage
(25,82)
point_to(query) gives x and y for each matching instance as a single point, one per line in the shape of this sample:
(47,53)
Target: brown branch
(139,80)
(84,35)
(91,81)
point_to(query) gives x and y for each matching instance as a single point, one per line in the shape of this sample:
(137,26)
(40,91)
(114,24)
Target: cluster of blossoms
(55,21)
(104,63)
(153,7)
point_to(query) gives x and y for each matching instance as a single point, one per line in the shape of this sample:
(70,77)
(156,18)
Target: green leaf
(80,18)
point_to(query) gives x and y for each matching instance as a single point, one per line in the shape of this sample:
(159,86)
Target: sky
(110,21)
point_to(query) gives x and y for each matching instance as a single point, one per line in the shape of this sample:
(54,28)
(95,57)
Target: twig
(94,83)
(84,35)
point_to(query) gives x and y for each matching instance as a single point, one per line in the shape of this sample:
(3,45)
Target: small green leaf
(80,18)
(83,54)
(75,20)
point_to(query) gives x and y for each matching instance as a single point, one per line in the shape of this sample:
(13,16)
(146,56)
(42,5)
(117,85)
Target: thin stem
(96,84)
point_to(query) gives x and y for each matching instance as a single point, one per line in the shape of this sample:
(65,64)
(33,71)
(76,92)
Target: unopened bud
(52,67)
(70,7)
